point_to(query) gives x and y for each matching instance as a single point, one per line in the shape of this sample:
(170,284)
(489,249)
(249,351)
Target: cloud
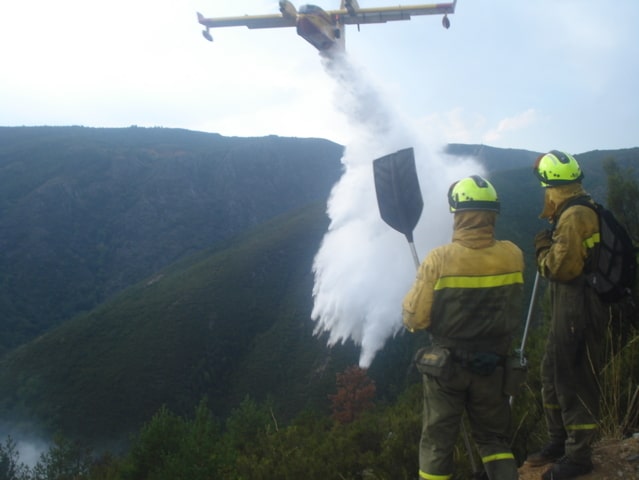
(453,126)
(511,124)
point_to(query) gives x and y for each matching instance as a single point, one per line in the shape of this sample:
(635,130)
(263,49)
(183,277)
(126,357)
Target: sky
(536,75)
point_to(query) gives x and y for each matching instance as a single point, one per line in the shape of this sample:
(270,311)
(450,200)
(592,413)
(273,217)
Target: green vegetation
(222,323)
(252,445)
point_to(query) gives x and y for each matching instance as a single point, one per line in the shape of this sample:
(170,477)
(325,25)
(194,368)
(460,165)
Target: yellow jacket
(468,293)
(573,234)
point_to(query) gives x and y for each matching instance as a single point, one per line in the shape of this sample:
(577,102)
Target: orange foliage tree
(355,393)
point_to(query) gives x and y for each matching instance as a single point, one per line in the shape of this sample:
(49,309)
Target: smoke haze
(29,445)
(363,267)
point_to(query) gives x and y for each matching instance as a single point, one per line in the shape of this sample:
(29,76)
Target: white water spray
(364,267)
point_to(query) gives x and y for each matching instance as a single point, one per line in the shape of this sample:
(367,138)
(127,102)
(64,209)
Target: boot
(566,469)
(550,453)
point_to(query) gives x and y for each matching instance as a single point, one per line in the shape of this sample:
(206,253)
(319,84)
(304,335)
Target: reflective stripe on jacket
(468,293)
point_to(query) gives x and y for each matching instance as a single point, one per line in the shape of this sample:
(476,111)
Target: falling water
(363,267)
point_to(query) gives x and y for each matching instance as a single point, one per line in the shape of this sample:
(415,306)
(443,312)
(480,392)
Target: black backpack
(611,269)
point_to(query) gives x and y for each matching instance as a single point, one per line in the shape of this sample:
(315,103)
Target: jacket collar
(556,197)
(474,228)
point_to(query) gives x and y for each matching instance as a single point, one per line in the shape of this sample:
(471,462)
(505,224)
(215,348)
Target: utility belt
(437,362)
(481,363)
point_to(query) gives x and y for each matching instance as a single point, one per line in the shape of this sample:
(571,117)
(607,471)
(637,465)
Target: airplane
(324,29)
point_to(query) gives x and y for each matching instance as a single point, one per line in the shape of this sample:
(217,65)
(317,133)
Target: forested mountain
(167,265)
(227,322)
(87,212)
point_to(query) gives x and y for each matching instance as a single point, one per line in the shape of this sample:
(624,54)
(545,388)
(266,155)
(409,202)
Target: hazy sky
(536,74)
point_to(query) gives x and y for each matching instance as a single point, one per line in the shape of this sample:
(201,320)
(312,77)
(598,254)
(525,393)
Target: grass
(620,387)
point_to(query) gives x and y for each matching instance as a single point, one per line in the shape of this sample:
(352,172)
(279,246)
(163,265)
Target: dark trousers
(489,415)
(570,368)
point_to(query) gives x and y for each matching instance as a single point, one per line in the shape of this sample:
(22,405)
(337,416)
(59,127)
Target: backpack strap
(583,200)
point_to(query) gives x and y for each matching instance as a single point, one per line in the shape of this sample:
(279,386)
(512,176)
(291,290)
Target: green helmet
(557,168)
(472,193)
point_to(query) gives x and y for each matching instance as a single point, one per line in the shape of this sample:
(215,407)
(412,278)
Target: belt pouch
(434,361)
(515,375)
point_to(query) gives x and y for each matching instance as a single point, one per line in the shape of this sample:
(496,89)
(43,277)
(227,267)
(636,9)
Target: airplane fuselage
(318,28)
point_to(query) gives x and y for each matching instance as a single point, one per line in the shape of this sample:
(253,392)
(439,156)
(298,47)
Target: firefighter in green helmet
(468,296)
(573,353)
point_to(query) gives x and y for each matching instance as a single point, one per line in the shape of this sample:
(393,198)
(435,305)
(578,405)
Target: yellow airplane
(324,29)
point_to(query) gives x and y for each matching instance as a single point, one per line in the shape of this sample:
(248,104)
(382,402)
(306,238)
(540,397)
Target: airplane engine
(288,9)
(351,5)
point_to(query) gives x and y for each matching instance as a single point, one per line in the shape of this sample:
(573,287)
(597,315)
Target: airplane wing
(361,16)
(250,21)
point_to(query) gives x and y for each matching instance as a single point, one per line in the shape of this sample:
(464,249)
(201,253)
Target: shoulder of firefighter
(456,285)
(572,239)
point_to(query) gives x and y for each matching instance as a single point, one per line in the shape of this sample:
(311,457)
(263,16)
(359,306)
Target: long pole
(531,307)
(524,337)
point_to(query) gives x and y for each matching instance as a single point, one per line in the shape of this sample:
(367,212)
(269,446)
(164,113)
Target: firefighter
(468,296)
(573,353)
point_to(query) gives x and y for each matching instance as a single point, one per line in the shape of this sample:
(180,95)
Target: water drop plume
(363,267)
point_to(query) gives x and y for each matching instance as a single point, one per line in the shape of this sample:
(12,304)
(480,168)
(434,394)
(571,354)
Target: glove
(543,241)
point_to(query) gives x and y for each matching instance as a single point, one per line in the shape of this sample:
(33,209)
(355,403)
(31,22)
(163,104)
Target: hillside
(220,324)
(84,213)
